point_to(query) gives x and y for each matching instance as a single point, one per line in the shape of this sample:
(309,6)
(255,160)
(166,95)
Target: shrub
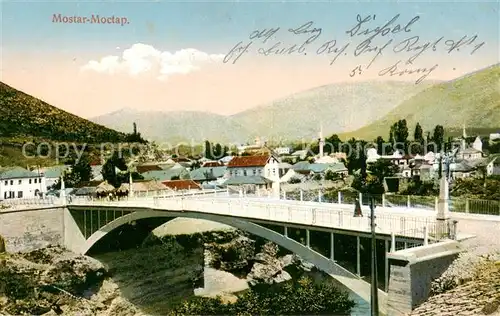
(302,297)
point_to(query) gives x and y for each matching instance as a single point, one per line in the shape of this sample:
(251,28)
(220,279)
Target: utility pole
(374,285)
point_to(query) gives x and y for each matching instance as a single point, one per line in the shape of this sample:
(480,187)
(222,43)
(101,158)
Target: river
(158,277)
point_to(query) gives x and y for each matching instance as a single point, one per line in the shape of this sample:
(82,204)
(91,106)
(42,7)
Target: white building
(493,167)
(283,150)
(326,159)
(430,157)
(18,183)
(478,144)
(494,136)
(254,173)
(300,154)
(265,165)
(470,154)
(53,174)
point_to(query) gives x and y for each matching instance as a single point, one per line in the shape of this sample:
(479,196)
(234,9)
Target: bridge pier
(286,231)
(308,239)
(358,257)
(386,266)
(332,247)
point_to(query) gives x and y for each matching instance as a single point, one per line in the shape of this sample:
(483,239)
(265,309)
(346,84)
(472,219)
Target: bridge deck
(400,221)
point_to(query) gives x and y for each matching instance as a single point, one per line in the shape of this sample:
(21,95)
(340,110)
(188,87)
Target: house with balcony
(260,165)
(256,172)
(18,183)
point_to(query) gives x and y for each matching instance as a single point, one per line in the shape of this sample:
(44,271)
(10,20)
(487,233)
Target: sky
(227,57)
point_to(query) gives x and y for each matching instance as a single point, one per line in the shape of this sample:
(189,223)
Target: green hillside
(23,116)
(473,100)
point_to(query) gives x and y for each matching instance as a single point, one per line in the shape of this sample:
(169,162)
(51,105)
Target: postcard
(185,157)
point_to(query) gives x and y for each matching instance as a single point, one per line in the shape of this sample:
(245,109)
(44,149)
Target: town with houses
(254,168)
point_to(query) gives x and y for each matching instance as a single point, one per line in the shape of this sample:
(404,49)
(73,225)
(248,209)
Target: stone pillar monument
(130,186)
(443,213)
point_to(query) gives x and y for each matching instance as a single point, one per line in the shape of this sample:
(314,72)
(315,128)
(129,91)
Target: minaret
(464,137)
(321,141)
(62,194)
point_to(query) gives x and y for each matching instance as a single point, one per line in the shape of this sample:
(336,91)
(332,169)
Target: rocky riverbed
(151,279)
(53,281)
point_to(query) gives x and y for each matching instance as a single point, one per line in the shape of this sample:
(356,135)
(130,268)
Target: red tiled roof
(182,184)
(248,161)
(146,168)
(212,164)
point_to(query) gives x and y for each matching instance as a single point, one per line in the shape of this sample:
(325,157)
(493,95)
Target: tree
(218,151)
(299,297)
(400,131)
(109,170)
(391,136)
(109,173)
(377,172)
(135,137)
(332,144)
(82,169)
(208,150)
(380,145)
(438,137)
(332,176)
(356,156)
(422,188)
(80,172)
(399,134)
(418,135)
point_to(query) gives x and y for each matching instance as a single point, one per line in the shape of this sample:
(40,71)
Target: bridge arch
(344,276)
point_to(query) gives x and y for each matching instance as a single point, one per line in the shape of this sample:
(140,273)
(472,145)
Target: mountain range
(337,108)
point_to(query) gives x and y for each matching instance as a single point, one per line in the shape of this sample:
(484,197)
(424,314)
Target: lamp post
(374,283)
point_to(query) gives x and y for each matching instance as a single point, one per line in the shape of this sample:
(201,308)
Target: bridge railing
(48,200)
(457,204)
(306,213)
(309,213)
